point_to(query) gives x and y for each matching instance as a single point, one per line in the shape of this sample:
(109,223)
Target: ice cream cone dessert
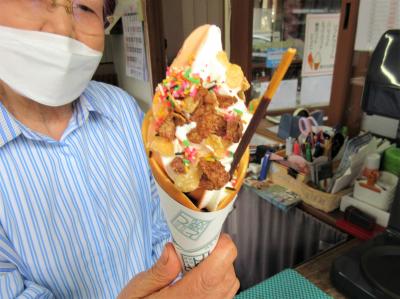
(195,124)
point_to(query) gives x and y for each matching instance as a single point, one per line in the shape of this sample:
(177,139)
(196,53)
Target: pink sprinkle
(190,153)
(229,116)
(193,91)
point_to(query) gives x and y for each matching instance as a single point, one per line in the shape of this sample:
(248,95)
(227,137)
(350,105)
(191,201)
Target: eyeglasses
(87,14)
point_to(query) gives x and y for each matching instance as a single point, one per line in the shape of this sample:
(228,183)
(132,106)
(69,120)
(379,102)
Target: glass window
(280,24)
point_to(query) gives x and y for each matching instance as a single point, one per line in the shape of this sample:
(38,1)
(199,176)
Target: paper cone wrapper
(194,233)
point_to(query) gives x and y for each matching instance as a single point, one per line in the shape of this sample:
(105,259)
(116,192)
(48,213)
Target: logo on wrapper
(190,261)
(189,226)
(191,258)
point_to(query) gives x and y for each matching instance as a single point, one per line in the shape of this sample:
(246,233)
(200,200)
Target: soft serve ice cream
(199,117)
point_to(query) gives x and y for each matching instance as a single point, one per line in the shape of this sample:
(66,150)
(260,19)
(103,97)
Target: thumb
(163,272)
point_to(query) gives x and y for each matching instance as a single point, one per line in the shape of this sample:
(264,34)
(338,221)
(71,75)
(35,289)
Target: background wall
(140,90)
(182,16)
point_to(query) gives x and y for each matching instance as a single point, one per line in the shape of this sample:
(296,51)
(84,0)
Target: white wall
(140,90)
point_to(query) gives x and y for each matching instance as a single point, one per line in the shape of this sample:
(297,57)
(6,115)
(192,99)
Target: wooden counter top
(317,270)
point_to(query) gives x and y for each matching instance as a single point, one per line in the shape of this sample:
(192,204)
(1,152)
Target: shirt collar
(10,128)
(89,100)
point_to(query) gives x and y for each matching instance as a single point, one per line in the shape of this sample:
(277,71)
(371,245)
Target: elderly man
(79,214)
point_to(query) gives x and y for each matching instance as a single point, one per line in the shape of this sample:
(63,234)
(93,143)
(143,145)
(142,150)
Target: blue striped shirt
(79,217)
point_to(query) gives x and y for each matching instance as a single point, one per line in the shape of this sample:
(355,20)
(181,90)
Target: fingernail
(165,256)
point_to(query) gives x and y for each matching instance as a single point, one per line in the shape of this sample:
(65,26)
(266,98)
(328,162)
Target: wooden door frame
(241,33)
(154,20)
(343,62)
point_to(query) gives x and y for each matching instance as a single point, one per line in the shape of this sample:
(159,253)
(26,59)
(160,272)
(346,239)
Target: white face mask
(47,68)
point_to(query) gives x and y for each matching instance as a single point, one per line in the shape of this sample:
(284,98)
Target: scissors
(306,125)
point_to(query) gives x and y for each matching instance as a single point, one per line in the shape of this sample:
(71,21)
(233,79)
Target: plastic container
(382,200)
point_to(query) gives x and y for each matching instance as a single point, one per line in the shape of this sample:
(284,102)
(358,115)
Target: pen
(328,147)
(319,151)
(289,146)
(296,148)
(264,167)
(308,152)
(303,149)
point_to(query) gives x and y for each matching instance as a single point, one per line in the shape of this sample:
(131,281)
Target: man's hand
(214,278)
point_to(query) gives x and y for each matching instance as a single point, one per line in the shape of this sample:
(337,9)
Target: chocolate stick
(262,107)
(248,134)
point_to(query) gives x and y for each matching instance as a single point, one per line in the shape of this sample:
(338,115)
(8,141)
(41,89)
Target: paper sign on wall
(285,96)
(320,44)
(135,53)
(315,90)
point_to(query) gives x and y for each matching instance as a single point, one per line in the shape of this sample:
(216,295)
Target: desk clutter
(322,165)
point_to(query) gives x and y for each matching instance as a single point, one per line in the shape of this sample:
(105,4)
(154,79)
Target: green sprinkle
(186,142)
(186,161)
(187,73)
(194,80)
(239,112)
(231,153)
(251,107)
(171,101)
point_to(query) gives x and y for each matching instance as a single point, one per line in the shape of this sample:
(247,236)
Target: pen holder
(326,202)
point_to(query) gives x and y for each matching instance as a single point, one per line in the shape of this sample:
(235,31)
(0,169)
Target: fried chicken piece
(194,136)
(214,175)
(219,125)
(234,130)
(201,93)
(167,129)
(201,110)
(207,102)
(225,101)
(210,98)
(178,166)
(205,183)
(210,123)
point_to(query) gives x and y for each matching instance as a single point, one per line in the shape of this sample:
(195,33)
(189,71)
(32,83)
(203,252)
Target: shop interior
(344,241)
